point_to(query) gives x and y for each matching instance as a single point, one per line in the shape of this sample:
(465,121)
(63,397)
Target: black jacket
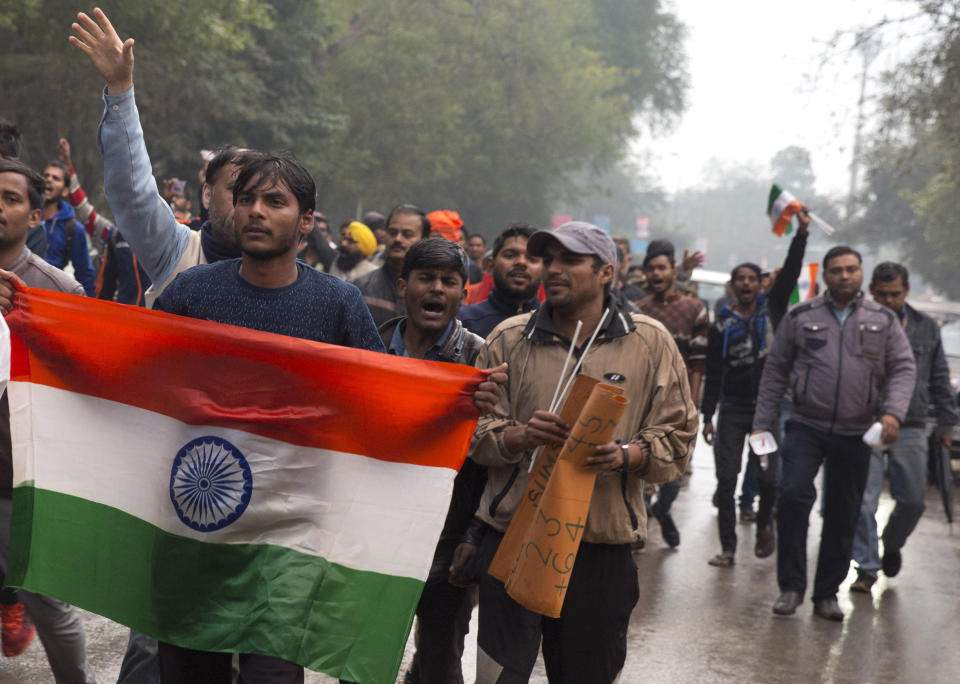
(481,318)
(933,373)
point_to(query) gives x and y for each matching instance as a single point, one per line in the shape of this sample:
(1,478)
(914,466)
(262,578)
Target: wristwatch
(625,452)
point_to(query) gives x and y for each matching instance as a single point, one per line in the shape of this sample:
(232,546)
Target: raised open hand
(113,58)
(63,152)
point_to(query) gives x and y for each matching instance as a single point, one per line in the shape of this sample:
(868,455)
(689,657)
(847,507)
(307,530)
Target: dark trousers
(443,620)
(846,462)
(732,430)
(666,495)
(187,666)
(587,644)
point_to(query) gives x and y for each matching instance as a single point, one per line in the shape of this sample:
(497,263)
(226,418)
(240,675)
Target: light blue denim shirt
(146,220)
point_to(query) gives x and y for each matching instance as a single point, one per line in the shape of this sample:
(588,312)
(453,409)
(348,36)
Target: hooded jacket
(632,350)
(56,232)
(840,378)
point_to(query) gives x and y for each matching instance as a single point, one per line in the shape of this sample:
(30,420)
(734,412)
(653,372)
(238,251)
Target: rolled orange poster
(539,579)
(506,555)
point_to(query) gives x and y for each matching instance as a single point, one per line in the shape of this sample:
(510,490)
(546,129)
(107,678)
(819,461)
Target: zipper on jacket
(836,394)
(503,492)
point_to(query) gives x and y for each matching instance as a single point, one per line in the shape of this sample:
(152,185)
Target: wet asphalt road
(696,623)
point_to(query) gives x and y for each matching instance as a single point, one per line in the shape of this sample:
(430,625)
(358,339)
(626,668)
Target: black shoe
(668,529)
(787,603)
(748,515)
(828,609)
(892,560)
(864,581)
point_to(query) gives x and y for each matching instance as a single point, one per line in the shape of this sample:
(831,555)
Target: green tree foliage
(489,107)
(913,166)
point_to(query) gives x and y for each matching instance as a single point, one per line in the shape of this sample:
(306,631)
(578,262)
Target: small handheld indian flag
(806,284)
(781,207)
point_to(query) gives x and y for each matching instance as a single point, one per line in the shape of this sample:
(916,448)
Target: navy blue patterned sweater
(317,306)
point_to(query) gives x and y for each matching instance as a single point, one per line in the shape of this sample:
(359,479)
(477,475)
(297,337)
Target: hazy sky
(763,77)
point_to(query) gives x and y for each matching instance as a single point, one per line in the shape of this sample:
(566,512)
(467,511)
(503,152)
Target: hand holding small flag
(781,208)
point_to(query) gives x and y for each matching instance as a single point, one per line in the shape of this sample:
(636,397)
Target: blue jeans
(907,470)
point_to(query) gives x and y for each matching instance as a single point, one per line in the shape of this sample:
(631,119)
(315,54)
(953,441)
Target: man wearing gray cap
(652,442)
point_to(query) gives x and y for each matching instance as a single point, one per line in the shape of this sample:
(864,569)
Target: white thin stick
(566,364)
(824,226)
(533,459)
(556,392)
(573,374)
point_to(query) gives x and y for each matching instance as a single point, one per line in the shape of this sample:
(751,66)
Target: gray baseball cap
(577,236)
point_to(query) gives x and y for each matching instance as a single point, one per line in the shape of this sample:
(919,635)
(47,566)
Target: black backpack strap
(69,227)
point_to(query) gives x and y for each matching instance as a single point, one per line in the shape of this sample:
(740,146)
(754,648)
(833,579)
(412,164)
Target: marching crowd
(811,380)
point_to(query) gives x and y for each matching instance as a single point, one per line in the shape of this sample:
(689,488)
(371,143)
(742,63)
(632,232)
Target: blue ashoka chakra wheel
(210,484)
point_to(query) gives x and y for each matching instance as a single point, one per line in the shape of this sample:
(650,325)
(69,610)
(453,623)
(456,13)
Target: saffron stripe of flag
(806,284)
(781,207)
(153,483)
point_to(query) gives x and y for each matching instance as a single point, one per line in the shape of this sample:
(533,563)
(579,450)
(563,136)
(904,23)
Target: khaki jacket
(633,351)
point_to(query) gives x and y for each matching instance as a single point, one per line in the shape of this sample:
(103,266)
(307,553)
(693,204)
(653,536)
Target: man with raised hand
(847,363)
(652,442)
(907,458)
(163,246)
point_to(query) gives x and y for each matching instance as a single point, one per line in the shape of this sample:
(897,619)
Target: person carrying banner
(21,203)
(653,442)
(433,283)
(266,289)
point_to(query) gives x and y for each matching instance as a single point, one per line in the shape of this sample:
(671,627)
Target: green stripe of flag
(249,598)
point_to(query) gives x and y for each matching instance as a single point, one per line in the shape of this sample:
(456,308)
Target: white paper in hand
(763,443)
(873,437)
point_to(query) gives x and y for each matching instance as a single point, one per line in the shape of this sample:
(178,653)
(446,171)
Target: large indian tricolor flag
(225,489)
